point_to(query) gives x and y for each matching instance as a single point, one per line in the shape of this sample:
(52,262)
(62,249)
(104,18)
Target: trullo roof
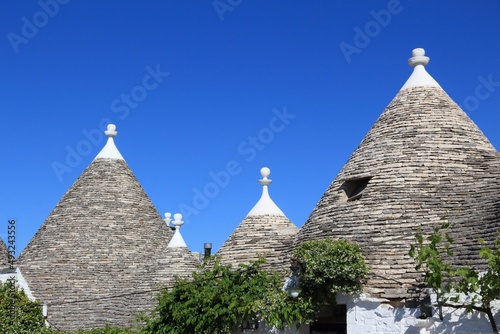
(422,161)
(4,256)
(265,231)
(101,247)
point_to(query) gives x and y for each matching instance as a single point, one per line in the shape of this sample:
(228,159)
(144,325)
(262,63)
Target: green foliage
(324,268)
(280,310)
(489,282)
(222,299)
(433,256)
(430,255)
(329,267)
(217,299)
(18,314)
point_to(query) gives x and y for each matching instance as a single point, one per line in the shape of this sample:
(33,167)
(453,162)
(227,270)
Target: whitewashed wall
(366,315)
(373,316)
(21,282)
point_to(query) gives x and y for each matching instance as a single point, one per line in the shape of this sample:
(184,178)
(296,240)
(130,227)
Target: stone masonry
(103,246)
(423,160)
(268,236)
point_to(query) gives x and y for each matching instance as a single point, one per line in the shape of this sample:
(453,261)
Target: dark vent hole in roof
(352,190)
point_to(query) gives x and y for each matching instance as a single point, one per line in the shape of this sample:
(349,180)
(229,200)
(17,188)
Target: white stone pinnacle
(177,221)
(419,77)
(109,151)
(111,131)
(418,58)
(265,205)
(177,240)
(265,173)
(168,218)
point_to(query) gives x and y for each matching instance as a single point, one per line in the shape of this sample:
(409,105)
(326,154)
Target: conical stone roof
(99,249)
(423,159)
(4,255)
(178,261)
(265,232)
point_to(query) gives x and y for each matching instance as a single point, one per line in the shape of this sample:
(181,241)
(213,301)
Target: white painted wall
(367,315)
(21,282)
(373,316)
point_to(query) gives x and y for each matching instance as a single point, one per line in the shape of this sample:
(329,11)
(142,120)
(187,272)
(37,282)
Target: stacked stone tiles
(427,161)
(102,246)
(4,256)
(265,235)
(265,232)
(178,262)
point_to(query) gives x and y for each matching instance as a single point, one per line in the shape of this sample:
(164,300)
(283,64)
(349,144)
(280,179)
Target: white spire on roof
(265,205)
(109,151)
(419,77)
(177,240)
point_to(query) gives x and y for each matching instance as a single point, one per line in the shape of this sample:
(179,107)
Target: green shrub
(18,314)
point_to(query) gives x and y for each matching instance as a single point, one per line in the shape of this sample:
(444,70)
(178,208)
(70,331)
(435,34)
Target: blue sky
(198,90)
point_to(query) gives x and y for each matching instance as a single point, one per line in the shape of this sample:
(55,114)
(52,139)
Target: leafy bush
(18,314)
(222,299)
(216,299)
(329,267)
(433,255)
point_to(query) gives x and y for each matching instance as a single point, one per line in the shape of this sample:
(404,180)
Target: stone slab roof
(4,255)
(268,236)
(177,262)
(265,232)
(101,247)
(424,159)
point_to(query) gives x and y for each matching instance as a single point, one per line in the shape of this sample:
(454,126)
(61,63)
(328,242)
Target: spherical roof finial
(177,220)
(111,131)
(168,218)
(264,171)
(418,58)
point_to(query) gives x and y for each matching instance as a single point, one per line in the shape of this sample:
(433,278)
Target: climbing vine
(329,267)
(220,298)
(433,255)
(216,299)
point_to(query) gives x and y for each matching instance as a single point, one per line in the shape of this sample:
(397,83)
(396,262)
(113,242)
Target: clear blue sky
(189,84)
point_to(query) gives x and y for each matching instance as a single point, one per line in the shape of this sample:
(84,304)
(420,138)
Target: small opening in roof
(353,189)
